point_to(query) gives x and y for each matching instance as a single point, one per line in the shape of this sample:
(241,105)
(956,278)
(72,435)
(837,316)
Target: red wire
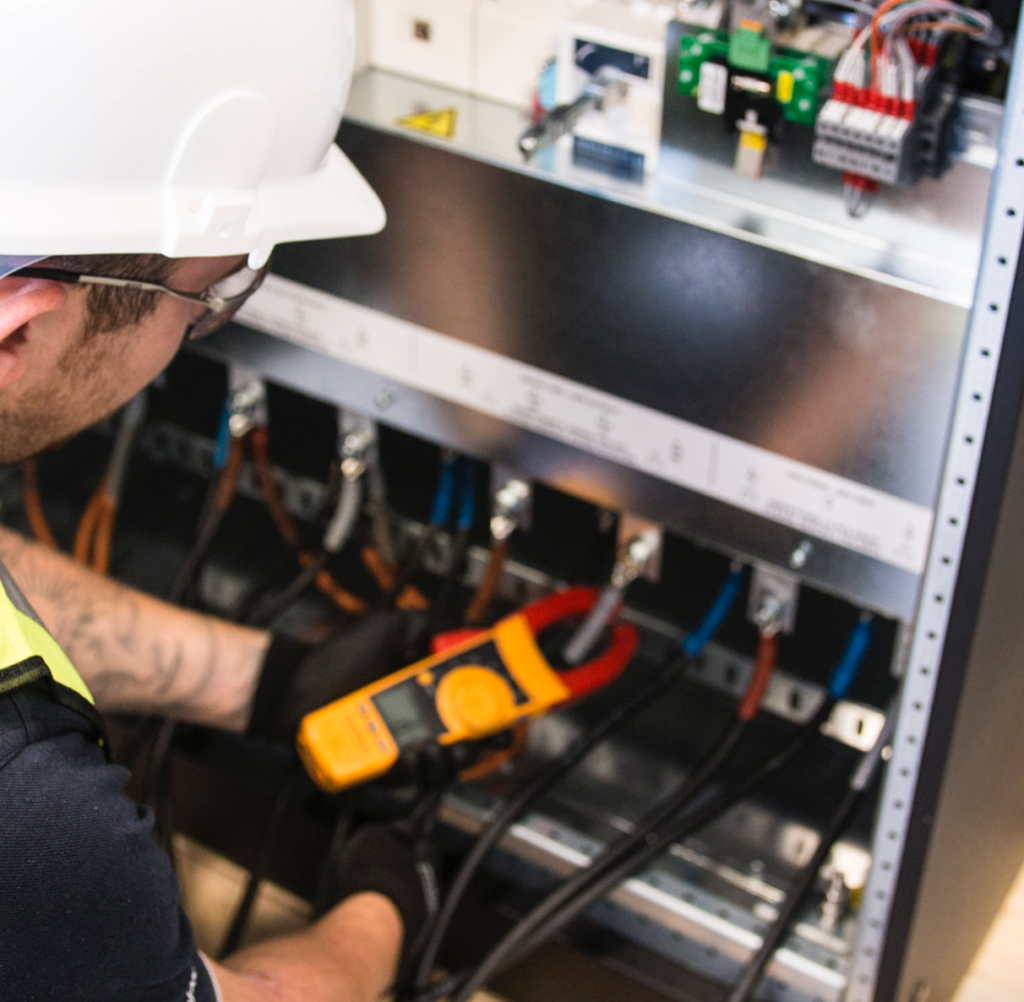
(764,665)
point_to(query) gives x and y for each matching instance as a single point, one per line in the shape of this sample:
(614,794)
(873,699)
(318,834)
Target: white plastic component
(711,87)
(636,30)
(433,40)
(515,38)
(200,128)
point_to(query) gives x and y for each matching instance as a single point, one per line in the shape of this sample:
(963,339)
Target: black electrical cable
(517,943)
(339,838)
(460,547)
(860,782)
(264,853)
(265,612)
(533,789)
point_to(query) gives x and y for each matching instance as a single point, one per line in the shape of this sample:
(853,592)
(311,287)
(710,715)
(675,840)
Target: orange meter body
(475,689)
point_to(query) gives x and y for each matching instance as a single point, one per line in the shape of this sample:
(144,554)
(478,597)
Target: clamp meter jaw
(470,691)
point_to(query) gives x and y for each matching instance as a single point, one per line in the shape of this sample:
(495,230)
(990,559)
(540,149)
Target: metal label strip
(821,504)
(981,362)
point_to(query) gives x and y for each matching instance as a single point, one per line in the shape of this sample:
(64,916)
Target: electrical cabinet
(850,380)
(834,399)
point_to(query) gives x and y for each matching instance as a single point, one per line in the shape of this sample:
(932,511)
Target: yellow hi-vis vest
(29,654)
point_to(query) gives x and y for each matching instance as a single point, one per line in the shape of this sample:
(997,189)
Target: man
(172,145)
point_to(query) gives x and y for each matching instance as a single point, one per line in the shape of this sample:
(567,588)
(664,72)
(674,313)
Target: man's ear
(21,301)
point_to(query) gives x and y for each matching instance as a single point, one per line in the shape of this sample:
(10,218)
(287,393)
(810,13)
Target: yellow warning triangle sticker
(434,123)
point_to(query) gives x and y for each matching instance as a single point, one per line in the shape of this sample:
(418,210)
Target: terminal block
(890,145)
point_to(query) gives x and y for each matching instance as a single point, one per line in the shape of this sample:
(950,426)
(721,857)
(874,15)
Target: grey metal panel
(927,237)
(818,364)
(869,583)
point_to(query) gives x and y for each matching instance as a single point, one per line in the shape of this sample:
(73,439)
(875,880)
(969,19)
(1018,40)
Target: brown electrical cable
(480,604)
(33,502)
(385,574)
(95,529)
(227,482)
(259,444)
(493,761)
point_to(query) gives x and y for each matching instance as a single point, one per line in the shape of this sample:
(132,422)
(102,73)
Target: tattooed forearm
(136,653)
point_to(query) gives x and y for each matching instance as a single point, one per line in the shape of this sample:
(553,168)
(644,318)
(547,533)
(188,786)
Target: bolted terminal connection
(773,601)
(509,506)
(354,452)
(246,407)
(633,560)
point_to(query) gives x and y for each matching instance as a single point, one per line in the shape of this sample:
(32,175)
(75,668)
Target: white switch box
(630,39)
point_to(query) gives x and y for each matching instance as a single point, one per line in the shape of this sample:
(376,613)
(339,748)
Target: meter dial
(474,702)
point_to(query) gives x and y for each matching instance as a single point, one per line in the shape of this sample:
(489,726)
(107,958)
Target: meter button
(474,702)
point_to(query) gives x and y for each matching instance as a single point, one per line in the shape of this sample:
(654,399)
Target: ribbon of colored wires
(532,790)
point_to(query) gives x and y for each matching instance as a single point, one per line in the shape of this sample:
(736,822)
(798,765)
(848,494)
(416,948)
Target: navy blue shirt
(88,902)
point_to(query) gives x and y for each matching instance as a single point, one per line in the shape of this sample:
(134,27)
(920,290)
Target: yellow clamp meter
(475,689)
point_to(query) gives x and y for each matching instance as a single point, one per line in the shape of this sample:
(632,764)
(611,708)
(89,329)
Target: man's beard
(84,388)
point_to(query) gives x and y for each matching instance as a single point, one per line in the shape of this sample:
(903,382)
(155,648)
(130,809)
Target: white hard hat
(189,128)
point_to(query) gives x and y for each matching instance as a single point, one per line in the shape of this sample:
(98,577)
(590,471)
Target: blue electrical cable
(467,497)
(845,672)
(220,452)
(442,507)
(696,640)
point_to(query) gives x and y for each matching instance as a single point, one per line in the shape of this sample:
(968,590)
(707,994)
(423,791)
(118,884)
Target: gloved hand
(298,678)
(384,859)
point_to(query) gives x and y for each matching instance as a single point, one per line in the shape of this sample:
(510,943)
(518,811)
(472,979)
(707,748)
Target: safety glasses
(222,300)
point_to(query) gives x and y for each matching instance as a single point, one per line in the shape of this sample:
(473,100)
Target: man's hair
(109,309)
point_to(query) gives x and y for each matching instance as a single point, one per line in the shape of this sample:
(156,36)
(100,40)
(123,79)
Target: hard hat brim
(332,201)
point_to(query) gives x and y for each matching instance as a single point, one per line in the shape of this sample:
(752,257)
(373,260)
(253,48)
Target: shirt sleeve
(88,902)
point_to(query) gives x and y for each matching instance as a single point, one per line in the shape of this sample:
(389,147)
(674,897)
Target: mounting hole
(1002,260)
(948,560)
(926,671)
(940,598)
(985,353)
(969,439)
(932,634)
(994,307)
(954,521)
(976,397)
(1011,212)
(962,481)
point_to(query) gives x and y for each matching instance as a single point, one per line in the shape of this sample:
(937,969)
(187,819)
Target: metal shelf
(926,239)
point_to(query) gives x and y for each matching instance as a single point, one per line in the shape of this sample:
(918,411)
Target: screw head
(385,399)
(798,558)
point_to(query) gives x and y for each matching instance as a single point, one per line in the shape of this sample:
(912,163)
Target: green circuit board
(798,79)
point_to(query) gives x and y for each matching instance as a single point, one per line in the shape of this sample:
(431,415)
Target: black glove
(298,678)
(384,859)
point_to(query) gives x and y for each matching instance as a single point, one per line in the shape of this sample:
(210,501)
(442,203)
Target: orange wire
(410,597)
(494,760)
(260,445)
(82,550)
(480,603)
(227,483)
(103,534)
(385,574)
(328,585)
(33,501)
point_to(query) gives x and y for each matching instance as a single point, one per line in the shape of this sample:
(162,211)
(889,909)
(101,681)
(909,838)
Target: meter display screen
(398,706)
